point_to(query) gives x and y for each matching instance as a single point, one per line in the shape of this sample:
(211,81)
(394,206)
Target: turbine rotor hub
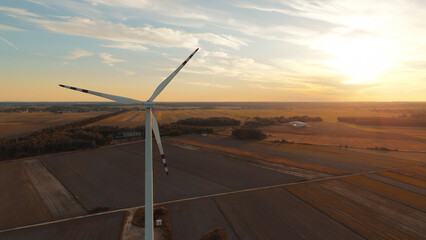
(148,104)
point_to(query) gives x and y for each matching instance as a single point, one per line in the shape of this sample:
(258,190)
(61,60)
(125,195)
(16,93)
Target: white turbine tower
(150,125)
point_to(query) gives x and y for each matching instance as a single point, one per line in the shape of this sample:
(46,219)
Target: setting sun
(362,60)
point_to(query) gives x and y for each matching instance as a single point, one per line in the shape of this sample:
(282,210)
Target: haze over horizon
(278,51)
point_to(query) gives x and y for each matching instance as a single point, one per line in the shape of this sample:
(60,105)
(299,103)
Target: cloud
(78,53)
(166,8)
(9,28)
(209,84)
(108,59)
(9,43)
(126,46)
(206,53)
(234,67)
(127,72)
(345,20)
(118,32)
(18,11)
(224,40)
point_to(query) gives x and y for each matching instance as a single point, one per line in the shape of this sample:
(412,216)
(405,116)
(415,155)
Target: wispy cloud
(166,8)
(224,40)
(18,11)
(108,59)
(127,72)
(209,84)
(78,53)
(9,28)
(118,32)
(9,43)
(218,54)
(126,46)
(239,68)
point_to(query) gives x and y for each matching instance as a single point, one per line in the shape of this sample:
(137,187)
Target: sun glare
(362,60)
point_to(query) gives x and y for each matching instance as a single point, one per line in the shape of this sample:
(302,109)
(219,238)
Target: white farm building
(298,124)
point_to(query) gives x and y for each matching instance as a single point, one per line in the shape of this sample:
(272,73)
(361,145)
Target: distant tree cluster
(80,108)
(55,140)
(65,137)
(382,149)
(248,133)
(175,129)
(75,136)
(213,121)
(417,120)
(268,121)
(61,108)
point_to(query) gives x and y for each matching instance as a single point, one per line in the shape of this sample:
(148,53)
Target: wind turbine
(150,125)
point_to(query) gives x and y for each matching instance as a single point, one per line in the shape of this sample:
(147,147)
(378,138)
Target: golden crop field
(137,118)
(329,132)
(340,134)
(16,124)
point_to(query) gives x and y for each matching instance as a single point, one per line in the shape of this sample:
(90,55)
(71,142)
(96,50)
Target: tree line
(74,136)
(248,133)
(66,137)
(404,120)
(212,121)
(268,121)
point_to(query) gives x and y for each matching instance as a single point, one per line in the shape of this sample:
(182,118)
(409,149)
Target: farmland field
(17,124)
(30,194)
(338,134)
(373,215)
(164,116)
(279,213)
(331,158)
(137,118)
(188,222)
(401,195)
(252,189)
(111,177)
(105,227)
(329,132)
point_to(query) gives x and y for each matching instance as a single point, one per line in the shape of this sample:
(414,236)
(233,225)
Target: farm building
(298,124)
(127,134)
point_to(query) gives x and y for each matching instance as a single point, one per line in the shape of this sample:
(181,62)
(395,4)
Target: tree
(248,133)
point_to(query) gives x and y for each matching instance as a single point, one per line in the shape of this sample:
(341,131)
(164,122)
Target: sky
(293,50)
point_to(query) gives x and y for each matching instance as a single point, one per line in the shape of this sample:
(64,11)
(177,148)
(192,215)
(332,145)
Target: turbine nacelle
(148,104)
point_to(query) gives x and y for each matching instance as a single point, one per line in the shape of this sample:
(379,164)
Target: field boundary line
(66,188)
(321,211)
(205,196)
(67,152)
(226,218)
(274,159)
(137,141)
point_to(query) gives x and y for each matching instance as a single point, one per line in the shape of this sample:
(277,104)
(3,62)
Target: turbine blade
(104,95)
(158,139)
(168,79)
